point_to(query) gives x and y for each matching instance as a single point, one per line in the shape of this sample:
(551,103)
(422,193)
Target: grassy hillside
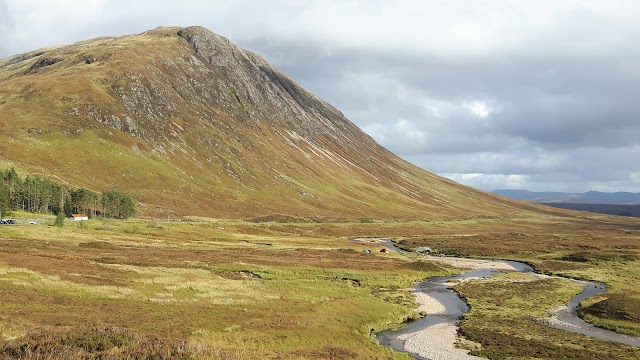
(188,123)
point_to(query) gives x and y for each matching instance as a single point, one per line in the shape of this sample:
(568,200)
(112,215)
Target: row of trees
(39,195)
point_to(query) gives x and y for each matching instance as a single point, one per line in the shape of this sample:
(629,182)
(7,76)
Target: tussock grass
(501,320)
(199,284)
(244,290)
(604,249)
(20,277)
(98,343)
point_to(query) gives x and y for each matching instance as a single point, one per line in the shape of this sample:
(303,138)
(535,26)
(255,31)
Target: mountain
(187,123)
(611,209)
(590,197)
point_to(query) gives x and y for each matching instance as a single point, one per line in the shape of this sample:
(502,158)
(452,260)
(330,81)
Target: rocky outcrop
(261,88)
(41,63)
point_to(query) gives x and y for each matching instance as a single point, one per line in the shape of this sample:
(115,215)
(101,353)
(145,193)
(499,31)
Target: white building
(79,217)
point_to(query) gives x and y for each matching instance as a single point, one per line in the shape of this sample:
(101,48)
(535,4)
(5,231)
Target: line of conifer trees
(39,195)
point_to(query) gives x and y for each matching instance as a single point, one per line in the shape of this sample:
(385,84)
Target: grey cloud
(6,21)
(578,169)
(590,163)
(561,104)
(5,16)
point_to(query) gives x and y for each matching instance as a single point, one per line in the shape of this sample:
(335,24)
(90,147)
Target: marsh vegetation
(205,288)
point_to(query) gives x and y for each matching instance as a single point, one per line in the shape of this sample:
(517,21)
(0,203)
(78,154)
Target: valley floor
(217,289)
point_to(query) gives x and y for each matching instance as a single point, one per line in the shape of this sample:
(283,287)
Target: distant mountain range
(618,203)
(590,197)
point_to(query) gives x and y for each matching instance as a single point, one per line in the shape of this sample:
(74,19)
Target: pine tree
(59,222)
(40,195)
(117,205)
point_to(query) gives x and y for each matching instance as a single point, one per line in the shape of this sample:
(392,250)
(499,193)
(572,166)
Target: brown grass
(291,291)
(97,343)
(502,321)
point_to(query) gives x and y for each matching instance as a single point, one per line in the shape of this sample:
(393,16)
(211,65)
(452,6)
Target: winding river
(434,336)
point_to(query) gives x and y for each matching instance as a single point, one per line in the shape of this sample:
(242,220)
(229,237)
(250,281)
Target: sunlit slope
(188,123)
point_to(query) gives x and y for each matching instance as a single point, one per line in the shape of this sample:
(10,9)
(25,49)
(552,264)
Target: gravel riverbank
(435,336)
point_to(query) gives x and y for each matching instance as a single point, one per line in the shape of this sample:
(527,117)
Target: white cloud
(479,109)
(492,181)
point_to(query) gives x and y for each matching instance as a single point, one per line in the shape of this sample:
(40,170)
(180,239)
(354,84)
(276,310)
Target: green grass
(504,320)
(239,290)
(600,248)
(199,285)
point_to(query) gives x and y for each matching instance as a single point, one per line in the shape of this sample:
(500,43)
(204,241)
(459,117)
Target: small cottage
(79,217)
(385,250)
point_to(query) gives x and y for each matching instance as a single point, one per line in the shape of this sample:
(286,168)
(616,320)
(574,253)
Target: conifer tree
(59,222)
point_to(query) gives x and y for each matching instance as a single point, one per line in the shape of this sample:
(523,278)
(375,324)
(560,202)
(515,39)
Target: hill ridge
(588,197)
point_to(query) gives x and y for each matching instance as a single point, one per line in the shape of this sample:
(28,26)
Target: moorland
(298,289)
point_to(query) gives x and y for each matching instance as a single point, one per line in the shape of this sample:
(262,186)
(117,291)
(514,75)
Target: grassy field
(219,289)
(207,289)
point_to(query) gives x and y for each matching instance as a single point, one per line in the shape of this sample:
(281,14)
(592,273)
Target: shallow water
(570,321)
(454,307)
(439,289)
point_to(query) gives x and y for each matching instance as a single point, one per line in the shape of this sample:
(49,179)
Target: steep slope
(188,123)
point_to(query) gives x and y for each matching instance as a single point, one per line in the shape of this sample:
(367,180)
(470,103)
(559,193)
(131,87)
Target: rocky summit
(188,123)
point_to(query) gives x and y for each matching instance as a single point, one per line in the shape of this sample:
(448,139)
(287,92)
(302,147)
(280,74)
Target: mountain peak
(216,49)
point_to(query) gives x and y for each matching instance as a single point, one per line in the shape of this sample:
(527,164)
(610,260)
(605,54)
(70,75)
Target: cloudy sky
(539,94)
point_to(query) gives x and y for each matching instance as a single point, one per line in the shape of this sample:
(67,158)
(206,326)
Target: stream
(434,336)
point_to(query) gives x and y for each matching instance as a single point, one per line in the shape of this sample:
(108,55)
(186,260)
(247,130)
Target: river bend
(434,336)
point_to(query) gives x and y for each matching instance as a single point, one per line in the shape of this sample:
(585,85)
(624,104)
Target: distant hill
(187,123)
(620,210)
(590,197)
(618,203)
